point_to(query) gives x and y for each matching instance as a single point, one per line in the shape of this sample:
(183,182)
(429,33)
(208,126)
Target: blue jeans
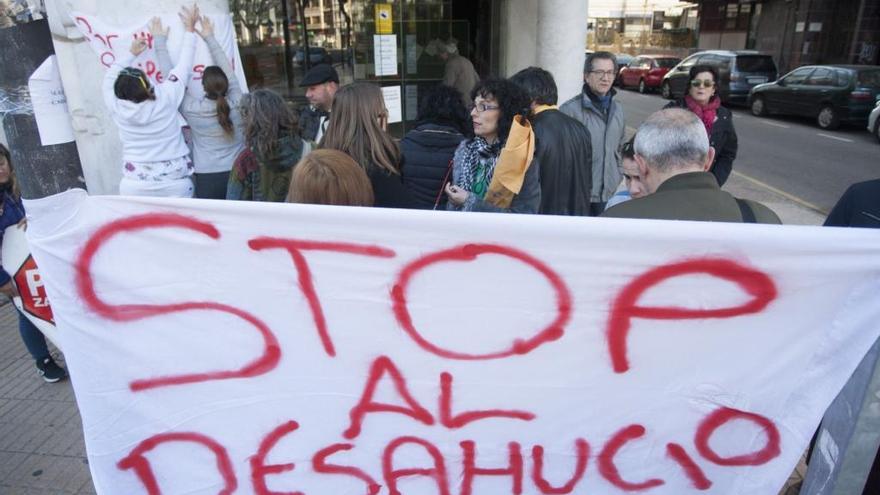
(33,338)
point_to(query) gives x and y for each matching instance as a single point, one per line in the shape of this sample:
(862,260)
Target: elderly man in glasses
(673,157)
(603,117)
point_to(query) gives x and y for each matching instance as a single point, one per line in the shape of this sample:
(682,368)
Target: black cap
(319,74)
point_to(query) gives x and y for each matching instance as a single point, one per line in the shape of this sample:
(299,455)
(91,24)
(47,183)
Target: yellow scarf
(513,162)
(541,108)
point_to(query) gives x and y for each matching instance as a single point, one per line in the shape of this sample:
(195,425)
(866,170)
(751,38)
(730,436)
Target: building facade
(795,32)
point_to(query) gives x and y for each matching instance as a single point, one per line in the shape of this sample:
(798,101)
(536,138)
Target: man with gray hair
(596,109)
(459,72)
(673,156)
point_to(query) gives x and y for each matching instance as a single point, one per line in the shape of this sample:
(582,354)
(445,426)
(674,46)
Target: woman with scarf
(703,100)
(495,170)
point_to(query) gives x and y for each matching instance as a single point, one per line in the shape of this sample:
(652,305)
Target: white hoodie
(150,130)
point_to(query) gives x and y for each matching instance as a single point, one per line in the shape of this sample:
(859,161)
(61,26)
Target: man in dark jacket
(321,83)
(674,156)
(562,147)
(858,207)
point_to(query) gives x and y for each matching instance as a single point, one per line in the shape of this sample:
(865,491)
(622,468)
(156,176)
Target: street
(794,156)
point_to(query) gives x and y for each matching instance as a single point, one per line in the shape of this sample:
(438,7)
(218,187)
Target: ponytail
(216,85)
(223,115)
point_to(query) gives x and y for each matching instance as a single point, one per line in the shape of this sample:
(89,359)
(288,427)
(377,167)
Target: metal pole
(288,63)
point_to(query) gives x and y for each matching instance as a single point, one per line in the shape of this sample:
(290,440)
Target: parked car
(317,55)
(874,121)
(646,72)
(832,94)
(738,71)
(623,59)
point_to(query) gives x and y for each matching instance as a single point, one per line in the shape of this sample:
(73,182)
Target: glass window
(843,77)
(667,63)
(869,78)
(798,76)
(821,77)
(755,63)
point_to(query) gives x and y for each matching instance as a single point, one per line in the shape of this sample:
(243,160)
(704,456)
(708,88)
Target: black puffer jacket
(427,152)
(564,150)
(723,139)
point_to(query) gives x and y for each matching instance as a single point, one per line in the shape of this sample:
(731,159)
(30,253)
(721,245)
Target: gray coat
(607,136)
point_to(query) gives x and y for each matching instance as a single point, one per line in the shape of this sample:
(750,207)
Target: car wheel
(642,87)
(828,118)
(759,108)
(666,91)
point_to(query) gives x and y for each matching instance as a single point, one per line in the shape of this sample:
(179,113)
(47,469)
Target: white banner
(232,347)
(110,41)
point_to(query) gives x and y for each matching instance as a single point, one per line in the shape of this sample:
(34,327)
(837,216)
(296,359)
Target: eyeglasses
(603,74)
(482,107)
(706,83)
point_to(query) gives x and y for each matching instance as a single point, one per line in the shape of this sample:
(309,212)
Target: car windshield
(667,63)
(755,63)
(870,78)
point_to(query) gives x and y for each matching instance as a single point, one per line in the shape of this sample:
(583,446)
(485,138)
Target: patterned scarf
(705,113)
(478,152)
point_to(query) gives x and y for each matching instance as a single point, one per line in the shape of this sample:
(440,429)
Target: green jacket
(257,178)
(690,196)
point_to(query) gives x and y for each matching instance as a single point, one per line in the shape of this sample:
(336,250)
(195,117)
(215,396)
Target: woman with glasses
(477,185)
(703,100)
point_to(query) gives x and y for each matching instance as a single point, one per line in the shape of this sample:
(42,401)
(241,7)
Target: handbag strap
(442,185)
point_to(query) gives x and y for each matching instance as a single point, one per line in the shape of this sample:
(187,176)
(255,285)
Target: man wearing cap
(321,82)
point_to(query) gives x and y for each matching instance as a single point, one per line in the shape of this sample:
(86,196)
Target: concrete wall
(548,33)
(723,41)
(96,136)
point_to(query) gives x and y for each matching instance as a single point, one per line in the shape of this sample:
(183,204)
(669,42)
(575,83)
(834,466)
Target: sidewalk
(41,441)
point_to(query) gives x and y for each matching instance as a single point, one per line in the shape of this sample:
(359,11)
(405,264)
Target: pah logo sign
(33,292)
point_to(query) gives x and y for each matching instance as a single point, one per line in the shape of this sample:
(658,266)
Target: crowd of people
(490,145)
(495,145)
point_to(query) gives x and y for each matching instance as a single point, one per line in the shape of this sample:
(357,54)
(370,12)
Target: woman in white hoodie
(213,117)
(155,156)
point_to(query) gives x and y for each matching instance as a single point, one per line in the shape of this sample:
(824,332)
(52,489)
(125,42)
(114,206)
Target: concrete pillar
(548,33)
(561,41)
(96,136)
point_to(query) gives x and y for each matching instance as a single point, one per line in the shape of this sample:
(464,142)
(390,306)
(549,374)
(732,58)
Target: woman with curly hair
(358,127)
(442,125)
(481,179)
(273,147)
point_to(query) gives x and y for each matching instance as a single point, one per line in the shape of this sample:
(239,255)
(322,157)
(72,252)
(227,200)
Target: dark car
(646,72)
(317,55)
(622,59)
(832,94)
(738,71)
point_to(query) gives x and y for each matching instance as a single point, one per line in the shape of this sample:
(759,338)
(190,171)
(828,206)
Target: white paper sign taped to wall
(50,104)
